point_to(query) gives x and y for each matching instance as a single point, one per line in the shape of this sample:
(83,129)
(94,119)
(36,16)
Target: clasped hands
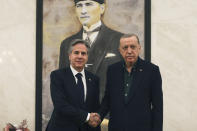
(94,120)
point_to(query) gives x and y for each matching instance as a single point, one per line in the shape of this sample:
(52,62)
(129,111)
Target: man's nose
(129,50)
(80,55)
(84,10)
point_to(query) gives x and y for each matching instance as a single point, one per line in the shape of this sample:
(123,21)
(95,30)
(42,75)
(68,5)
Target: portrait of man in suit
(103,41)
(65,20)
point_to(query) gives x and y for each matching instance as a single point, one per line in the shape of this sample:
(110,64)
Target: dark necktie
(89,33)
(80,86)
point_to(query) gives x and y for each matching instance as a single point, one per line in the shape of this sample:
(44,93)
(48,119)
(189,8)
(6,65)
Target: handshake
(94,120)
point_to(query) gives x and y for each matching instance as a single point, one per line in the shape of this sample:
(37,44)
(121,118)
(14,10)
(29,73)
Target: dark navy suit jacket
(144,109)
(69,112)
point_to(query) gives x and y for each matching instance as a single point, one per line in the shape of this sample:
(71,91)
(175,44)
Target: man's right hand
(94,120)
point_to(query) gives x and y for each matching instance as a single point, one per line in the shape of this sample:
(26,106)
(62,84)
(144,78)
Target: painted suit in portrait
(103,52)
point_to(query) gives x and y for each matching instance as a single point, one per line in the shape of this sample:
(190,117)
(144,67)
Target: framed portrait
(58,21)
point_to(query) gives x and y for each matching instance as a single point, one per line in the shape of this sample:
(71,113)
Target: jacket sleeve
(104,108)
(157,100)
(61,105)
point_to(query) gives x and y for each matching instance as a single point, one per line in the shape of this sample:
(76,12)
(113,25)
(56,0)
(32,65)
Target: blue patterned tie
(80,86)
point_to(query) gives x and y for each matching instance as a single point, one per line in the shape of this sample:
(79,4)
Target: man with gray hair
(75,93)
(133,94)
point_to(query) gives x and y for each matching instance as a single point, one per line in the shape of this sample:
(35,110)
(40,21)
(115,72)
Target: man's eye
(132,47)
(89,4)
(78,5)
(125,47)
(76,52)
(83,53)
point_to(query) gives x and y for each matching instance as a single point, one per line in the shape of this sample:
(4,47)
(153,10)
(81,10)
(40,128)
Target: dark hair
(77,41)
(99,1)
(130,35)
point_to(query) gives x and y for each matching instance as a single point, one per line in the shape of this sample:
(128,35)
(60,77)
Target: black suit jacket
(103,52)
(69,112)
(144,109)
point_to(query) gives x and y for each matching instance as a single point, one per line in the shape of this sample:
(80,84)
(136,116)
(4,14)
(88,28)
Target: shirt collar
(134,65)
(92,27)
(75,71)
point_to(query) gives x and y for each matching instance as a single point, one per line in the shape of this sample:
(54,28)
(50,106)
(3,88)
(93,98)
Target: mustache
(84,16)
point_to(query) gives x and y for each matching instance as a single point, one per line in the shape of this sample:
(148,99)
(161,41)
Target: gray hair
(78,41)
(130,35)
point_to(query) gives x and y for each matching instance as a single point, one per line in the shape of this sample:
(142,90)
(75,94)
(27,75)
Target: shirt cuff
(88,117)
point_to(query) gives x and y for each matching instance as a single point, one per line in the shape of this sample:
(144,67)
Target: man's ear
(140,49)
(102,8)
(119,49)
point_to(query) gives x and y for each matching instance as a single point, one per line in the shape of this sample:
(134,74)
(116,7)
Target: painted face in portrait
(129,49)
(78,57)
(89,12)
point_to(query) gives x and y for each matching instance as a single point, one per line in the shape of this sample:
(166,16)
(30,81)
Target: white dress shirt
(83,79)
(84,83)
(93,35)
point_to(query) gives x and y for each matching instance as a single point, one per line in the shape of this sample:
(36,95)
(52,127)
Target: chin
(79,66)
(85,22)
(130,60)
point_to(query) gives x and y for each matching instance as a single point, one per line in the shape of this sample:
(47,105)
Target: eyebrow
(78,4)
(82,52)
(90,3)
(86,3)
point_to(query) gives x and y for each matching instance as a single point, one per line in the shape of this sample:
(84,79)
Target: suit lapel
(101,44)
(138,75)
(88,84)
(70,78)
(71,84)
(79,35)
(120,80)
(122,83)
